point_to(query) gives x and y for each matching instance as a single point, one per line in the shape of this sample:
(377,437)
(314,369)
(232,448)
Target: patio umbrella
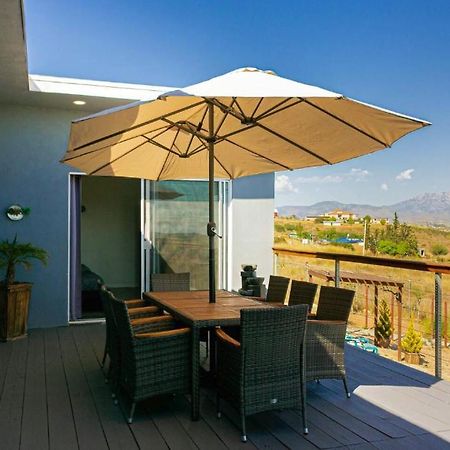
(245,122)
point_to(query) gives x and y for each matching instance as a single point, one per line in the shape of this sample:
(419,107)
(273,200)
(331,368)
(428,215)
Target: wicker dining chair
(261,371)
(325,336)
(277,289)
(171,282)
(136,309)
(155,355)
(302,293)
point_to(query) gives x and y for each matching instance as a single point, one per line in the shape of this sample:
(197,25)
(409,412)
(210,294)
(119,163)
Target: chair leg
(305,424)
(303,392)
(346,387)
(218,409)
(243,428)
(133,408)
(104,357)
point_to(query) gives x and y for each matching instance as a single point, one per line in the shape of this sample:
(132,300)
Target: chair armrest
(162,334)
(224,337)
(153,319)
(144,310)
(135,303)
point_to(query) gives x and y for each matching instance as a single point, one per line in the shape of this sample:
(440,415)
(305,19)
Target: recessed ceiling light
(79,102)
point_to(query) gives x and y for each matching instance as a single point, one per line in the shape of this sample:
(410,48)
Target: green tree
(395,239)
(383,328)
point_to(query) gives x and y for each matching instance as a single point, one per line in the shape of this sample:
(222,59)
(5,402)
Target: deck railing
(436,268)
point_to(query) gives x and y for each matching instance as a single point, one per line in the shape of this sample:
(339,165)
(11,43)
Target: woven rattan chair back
(277,289)
(302,293)
(112,334)
(334,303)
(171,282)
(272,343)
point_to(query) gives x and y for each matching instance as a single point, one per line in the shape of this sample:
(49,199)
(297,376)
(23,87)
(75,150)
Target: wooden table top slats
(194,306)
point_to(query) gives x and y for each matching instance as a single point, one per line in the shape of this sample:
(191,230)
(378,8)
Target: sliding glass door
(175,214)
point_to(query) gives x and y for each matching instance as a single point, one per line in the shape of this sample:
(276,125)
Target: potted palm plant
(15,296)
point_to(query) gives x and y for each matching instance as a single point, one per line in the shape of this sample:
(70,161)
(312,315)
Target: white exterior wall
(251,226)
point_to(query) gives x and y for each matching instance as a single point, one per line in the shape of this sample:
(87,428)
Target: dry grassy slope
(426,236)
(418,286)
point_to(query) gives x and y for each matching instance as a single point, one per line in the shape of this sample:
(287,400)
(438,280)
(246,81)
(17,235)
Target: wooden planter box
(412,358)
(14,301)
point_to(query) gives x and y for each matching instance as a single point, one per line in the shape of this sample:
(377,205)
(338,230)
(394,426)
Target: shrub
(412,342)
(383,328)
(279,227)
(439,250)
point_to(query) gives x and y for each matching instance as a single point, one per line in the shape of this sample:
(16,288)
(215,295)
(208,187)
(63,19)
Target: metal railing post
(337,272)
(399,323)
(275,263)
(437,325)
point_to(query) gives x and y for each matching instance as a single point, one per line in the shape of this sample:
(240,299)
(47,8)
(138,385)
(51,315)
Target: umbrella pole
(211,228)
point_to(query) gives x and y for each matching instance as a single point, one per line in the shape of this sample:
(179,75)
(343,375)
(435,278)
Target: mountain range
(429,208)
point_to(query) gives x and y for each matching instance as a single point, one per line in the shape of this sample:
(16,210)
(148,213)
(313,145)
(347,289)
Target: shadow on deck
(53,395)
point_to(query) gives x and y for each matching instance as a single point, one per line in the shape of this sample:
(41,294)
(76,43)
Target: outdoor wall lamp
(16,212)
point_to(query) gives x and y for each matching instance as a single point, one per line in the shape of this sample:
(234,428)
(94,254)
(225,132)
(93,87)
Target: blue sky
(395,54)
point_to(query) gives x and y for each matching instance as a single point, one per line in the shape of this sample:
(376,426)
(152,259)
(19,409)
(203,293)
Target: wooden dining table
(193,308)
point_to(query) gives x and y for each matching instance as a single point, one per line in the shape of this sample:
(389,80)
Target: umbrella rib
(263,114)
(184,128)
(225,115)
(354,127)
(157,144)
(106,146)
(272,112)
(200,148)
(258,154)
(162,167)
(225,108)
(295,144)
(175,138)
(117,133)
(239,106)
(257,107)
(116,159)
(223,167)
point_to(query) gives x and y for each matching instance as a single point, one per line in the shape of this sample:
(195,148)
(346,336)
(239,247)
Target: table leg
(195,402)
(212,352)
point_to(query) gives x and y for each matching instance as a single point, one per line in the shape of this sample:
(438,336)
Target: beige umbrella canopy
(245,122)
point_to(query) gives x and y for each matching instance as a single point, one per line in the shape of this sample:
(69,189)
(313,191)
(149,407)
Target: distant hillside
(423,209)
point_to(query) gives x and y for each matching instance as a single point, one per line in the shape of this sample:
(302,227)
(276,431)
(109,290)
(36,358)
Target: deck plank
(117,437)
(11,402)
(61,426)
(5,354)
(88,426)
(34,432)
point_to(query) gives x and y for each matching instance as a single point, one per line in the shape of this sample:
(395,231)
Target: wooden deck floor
(53,396)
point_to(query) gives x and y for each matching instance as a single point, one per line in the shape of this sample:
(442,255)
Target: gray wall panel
(32,140)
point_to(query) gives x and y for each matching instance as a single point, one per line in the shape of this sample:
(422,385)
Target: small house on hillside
(339,214)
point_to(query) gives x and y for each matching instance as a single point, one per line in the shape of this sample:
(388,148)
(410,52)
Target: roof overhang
(13,53)
(18,87)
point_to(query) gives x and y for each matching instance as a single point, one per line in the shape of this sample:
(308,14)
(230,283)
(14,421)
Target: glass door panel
(178,218)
